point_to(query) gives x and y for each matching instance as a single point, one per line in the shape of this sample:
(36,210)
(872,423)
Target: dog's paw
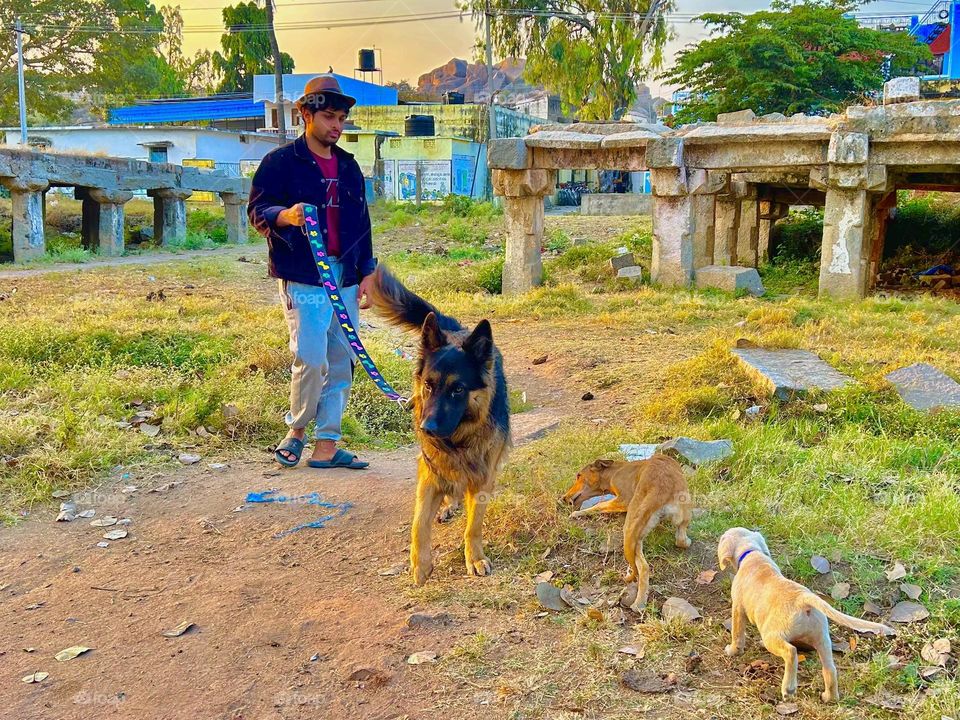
(420,572)
(731,650)
(829,697)
(577,514)
(480,567)
(448,512)
(683,542)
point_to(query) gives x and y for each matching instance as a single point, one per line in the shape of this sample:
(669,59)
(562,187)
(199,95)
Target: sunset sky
(413,48)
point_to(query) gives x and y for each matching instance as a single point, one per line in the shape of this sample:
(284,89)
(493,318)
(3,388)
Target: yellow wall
(417,148)
(364,149)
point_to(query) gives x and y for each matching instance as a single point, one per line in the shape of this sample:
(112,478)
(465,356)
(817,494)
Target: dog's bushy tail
(849,621)
(403,307)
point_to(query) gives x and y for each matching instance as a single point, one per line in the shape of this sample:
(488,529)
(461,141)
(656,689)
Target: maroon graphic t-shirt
(330,171)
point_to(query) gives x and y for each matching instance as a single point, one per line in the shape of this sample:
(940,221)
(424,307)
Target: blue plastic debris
(314,498)
(590,502)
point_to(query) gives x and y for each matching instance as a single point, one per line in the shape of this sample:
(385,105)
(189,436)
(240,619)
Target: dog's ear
(603,464)
(479,345)
(431,337)
(726,550)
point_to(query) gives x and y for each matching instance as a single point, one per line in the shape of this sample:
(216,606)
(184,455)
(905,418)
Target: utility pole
(277,74)
(491,117)
(18,29)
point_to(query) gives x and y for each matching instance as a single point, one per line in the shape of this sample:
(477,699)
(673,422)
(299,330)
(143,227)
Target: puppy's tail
(849,621)
(403,307)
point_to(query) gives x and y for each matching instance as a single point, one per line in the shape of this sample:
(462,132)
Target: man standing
(314,171)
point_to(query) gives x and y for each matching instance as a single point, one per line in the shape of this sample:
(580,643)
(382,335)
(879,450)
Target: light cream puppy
(786,613)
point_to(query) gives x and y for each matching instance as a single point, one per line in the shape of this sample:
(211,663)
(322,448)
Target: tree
(806,56)
(197,74)
(592,53)
(245,52)
(101,49)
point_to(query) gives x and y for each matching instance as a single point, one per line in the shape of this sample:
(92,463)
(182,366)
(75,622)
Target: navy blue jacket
(289,175)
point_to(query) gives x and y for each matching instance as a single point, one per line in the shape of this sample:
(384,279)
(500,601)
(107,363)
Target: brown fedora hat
(323,91)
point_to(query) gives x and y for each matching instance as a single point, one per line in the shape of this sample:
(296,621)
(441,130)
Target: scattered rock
(422,657)
(787,708)
(648,683)
(733,118)
(820,564)
(587,396)
(150,430)
(417,620)
(178,630)
(103,544)
(753,412)
(68,512)
(788,372)
(391,571)
(924,387)
(634,273)
(218,466)
(87,514)
(188,459)
(730,278)
(820,407)
(633,651)
(106,521)
(623,260)
(840,591)
(871,608)
(36,677)
(674,607)
(897,572)
(549,597)
(911,591)
(628,596)
(58,494)
(706,577)
(633,452)
(908,612)
(545,576)
(115,535)
(697,452)
(540,360)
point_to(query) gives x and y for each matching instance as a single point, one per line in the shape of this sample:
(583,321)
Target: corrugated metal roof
(185,110)
(293,84)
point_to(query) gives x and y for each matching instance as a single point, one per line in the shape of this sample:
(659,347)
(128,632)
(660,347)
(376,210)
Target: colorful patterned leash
(310,229)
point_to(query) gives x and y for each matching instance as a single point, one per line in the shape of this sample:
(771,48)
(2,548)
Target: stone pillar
(725,230)
(523,192)
(27,201)
(235,213)
(748,233)
(843,263)
(703,232)
(109,225)
(169,215)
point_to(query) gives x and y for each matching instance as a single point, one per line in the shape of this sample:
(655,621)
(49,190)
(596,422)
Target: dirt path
(155,259)
(281,623)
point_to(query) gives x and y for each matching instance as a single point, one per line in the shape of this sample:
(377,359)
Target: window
(352,137)
(395,143)
(158,154)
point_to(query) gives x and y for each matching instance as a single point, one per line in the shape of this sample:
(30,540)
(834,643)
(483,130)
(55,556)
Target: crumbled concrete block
(730,278)
(740,116)
(788,372)
(622,261)
(635,273)
(901,89)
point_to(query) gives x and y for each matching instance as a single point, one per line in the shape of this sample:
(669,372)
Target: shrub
(798,236)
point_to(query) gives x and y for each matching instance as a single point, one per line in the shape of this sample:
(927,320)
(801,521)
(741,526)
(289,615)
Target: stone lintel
(534,182)
(111,197)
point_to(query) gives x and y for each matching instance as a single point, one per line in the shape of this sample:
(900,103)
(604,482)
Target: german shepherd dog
(461,417)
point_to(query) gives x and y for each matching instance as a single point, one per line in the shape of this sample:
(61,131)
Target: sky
(413,48)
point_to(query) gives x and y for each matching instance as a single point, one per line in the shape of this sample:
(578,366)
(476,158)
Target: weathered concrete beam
(627,159)
(109,227)
(169,215)
(27,210)
(235,214)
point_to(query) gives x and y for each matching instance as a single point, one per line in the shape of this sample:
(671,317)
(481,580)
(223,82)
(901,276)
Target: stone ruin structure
(719,187)
(105,185)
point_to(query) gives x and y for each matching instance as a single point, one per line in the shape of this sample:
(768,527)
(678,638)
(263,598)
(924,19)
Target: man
(313,170)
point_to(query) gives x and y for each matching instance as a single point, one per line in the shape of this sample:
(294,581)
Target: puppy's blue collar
(740,559)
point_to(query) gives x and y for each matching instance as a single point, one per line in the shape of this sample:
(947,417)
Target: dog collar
(740,559)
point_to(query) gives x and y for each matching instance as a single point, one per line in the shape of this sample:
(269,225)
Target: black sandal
(290,445)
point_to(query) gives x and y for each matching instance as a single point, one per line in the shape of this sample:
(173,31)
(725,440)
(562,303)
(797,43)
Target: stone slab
(901,89)
(740,116)
(623,260)
(789,372)
(696,452)
(730,278)
(638,451)
(559,139)
(634,272)
(760,132)
(924,387)
(509,154)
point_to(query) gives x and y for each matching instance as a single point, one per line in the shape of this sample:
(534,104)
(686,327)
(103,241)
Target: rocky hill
(460,75)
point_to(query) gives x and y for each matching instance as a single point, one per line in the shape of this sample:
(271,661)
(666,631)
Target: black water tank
(419,126)
(452,98)
(367,60)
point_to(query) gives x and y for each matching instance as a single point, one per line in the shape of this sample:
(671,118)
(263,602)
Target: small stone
(540,360)
(587,396)
(697,452)
(753,412)
(189,459)
(623,261)
(730,278)
(634,273)
(103,544)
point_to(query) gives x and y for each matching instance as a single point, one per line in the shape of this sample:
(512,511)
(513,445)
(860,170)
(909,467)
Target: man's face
(325,126)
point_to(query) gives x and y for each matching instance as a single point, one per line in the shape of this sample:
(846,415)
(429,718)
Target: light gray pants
(322,370)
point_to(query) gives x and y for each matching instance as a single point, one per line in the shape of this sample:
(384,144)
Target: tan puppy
(648,491)
(786,613)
